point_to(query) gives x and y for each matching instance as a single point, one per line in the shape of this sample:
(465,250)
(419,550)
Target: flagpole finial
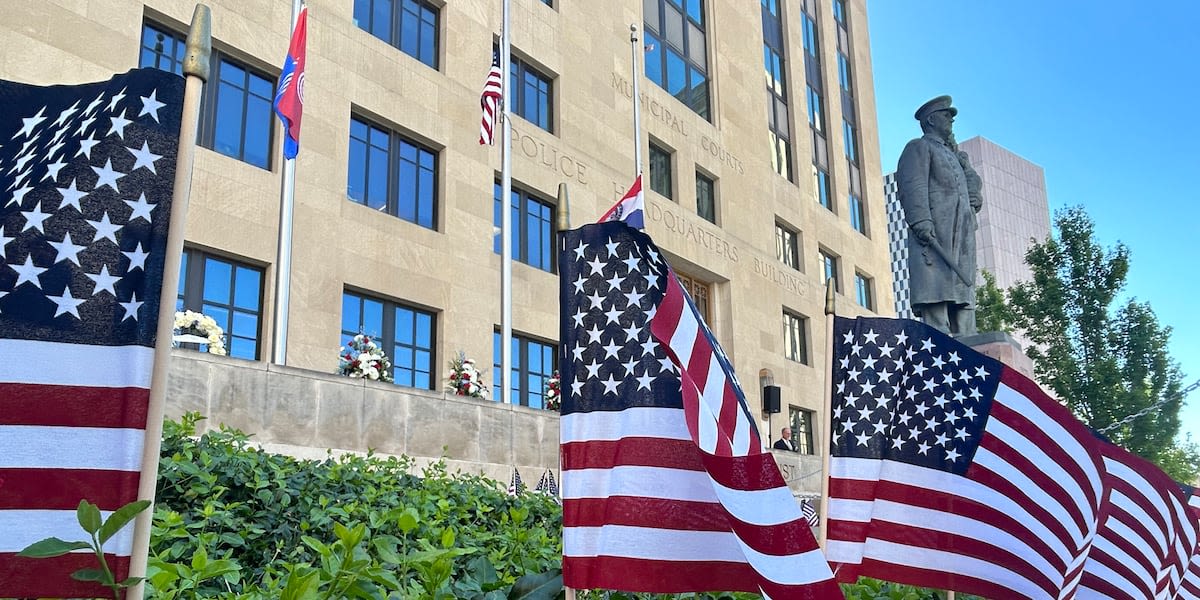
(829,301)
(199,44)
(564,208)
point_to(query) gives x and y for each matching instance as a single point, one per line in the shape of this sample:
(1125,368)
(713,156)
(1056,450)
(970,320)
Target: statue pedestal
(1002,347)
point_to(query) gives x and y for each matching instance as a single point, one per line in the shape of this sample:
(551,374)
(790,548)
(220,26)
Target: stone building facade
(758,188)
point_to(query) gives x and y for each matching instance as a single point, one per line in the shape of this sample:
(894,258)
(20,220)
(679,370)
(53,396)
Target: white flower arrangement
(465,379)
(553,393)
(364,359)
(194,327)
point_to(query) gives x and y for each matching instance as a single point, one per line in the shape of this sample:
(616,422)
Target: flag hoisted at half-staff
(631,208)
(489,101)
(666,487)
(289,95)
(952,471)
(86,175)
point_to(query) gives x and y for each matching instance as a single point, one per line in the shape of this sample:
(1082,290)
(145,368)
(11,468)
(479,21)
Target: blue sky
(1102,95)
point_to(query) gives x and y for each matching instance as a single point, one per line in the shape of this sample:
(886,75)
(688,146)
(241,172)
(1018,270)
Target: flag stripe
(73,406)
(645,452)
(614,572)
(28,577)
(634,422)
(60,488)
(24,527)
(984,578)
(31,447)
(638,511)
(648,482)
(90,366)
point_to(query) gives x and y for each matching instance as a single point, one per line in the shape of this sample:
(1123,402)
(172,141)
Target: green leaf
(538,586)
(131,581)
(199,559)
(88,575)
(120,518)
(408,520)
(89,516)
(448,538)
(301,586)
(51,547)
(482,569)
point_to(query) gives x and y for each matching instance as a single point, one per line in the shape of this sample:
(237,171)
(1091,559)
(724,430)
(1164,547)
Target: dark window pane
(706,198)
(214,286)
(660,171)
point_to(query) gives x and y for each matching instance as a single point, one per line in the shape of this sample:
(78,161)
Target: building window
(698,290)
(405,333)
(409,25)
(822,187)
(392,174)
(851,141)
(533,228)
(532,365)
(829,268)
(801,422)
(706,198)
(857,219)
(795,341)
(862,290)
(839,11)
(677,52)
(778,115)
(532,95)
(235,108)
(660,171)
(230,292)
(787,247)
(844,73)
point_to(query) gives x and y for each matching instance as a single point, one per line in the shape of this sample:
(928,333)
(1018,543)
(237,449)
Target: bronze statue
(940,194)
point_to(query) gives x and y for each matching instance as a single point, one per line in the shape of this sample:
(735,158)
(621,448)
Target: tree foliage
(1106,359)
(992,312)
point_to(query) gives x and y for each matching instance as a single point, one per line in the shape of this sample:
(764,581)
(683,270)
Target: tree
(1107,365)
(991,310)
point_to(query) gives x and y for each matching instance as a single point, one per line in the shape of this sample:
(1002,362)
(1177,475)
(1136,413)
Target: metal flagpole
(826,411)
(283,261)
(505,212)
(637,100)
(564,224)
(196,71)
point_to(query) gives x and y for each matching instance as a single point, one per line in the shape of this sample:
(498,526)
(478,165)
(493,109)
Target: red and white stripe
(1146,539)
(72,426)
(493,90)
(1189,588)
(1018,523)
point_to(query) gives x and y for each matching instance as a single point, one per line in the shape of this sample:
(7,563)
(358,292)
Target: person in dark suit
(785,440)
(940,193)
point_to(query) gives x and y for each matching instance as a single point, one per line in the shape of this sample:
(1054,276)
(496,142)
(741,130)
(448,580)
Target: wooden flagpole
(563,223)
(196,71)
(826,411)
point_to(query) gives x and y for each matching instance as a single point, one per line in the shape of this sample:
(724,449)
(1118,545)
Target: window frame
(386,338)
(784,235)
(801,420)
(830,269)
(709,212)
(795,337)
(656,182)
(191,295)
(520,73)
(700,292)
(211,96)
(396,29)
(395,184)
(521,370)
(660,51)
(779,112)
(864,291)
(523,197)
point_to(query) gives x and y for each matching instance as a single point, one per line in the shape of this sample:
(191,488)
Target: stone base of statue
(1002,347)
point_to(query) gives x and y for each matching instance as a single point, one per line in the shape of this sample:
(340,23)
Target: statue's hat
(939,103)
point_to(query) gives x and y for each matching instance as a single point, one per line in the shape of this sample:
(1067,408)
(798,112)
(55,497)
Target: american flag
(1189,589)
(516,487)
(489,101)
(666,487)
(547,485)
(951,471)
(810,512)
(1147,536)
(85,197)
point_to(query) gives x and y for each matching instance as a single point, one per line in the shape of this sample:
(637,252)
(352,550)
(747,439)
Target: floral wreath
(195,325)
(553,392)
(465,379)
(363,358)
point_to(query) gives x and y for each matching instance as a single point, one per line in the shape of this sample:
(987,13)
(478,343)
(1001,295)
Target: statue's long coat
(935,186)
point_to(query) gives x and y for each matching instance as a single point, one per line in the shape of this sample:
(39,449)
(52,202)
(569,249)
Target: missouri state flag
(289,96)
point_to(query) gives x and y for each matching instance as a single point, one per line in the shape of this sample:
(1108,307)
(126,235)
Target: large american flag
(951,471)
(1189,589)
(666,487)
(1147,537)
(489,101)
(85,197)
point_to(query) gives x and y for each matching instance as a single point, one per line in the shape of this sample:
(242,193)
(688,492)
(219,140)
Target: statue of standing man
(940,194)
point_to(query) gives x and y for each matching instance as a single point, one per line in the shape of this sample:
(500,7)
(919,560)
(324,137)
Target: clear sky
(1105,96)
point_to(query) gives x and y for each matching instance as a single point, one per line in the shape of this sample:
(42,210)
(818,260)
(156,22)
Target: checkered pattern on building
(897,230)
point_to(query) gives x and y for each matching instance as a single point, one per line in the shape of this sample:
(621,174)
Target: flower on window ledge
(553,392)
(465,379)
(364,359)
(198,328)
